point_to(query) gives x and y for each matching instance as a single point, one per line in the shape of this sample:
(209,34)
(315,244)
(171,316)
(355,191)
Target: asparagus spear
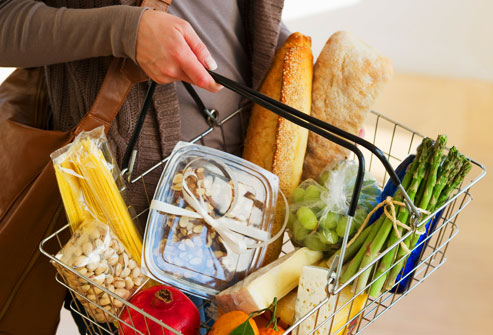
(353,266)
(459,178)
(433,175)
(422,187)
(403,214)
(431,172)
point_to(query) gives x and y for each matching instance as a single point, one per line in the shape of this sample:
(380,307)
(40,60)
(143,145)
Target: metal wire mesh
(396,141)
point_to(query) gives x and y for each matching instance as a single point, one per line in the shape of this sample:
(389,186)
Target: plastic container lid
(185,251)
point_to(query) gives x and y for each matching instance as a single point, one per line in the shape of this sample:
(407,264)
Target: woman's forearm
(33,34)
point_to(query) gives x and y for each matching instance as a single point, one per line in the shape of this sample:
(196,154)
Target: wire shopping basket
(393,142)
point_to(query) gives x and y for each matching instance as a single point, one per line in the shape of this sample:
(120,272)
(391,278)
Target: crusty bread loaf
(273,142)
(347,77)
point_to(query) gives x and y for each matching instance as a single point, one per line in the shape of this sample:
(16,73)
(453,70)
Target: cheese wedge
(258,290)
(311,292)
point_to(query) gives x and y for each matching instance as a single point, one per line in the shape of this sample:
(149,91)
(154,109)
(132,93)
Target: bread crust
(291,139)
(347,77)
(273,142)
(260,141)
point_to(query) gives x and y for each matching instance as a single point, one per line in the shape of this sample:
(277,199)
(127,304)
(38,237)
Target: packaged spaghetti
(90,184)
(97,254)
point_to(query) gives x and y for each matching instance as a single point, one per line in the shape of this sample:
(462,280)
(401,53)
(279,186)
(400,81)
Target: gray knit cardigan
(73,86)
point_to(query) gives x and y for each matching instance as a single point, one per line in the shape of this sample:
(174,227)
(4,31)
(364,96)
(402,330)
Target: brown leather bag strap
(122,74)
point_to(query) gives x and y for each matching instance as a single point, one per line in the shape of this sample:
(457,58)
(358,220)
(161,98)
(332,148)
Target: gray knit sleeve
(33,34)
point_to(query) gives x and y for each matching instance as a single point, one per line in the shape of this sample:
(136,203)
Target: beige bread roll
(273,142)
(347,77)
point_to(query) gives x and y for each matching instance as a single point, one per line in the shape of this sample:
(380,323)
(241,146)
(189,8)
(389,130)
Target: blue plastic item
(407,273)
(390,188)
(202,305)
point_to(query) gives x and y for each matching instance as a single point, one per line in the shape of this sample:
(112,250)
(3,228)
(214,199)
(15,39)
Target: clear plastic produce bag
(95,252)
(318,209)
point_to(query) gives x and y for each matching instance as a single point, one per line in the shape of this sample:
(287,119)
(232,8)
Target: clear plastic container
(187,252)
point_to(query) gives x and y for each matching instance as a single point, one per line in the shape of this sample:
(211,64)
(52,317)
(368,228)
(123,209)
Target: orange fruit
(261,321)
(227,322)
(271,331)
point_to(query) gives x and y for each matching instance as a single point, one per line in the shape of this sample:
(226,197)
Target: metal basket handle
(324,129)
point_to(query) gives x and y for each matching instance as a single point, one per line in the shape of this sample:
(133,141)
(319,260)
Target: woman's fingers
(198,47)
(168,49)
(197,73)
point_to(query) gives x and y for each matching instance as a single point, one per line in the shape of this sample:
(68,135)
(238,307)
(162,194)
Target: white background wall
(438,37)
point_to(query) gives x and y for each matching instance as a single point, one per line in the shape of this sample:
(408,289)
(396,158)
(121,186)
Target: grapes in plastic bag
(318,209)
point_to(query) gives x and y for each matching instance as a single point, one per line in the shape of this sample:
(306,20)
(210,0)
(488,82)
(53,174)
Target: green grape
(341,226)
(329,221)
(299,232)
(307,218)
(353,229)
(324,177)
(330,236)
(298,194)
(321,205)
(312,193)
(315,242)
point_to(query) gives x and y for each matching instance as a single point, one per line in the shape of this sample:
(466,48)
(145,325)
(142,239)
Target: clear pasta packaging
(210,220)
(91,188)
(96,253)
(318,209)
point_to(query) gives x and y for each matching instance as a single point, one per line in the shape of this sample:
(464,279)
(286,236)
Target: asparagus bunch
(421,201)
(428,181)
(454,180)
(403,213)
(383,225)
(418,177)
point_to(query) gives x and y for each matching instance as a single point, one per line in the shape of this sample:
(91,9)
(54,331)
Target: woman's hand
(168,49)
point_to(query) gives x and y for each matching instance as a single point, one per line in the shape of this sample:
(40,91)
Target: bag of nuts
(95,253)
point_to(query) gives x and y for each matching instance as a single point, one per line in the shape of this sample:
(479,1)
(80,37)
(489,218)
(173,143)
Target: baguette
(347,77)
(272,142)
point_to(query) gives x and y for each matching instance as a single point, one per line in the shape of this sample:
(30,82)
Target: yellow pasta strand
(72,208)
